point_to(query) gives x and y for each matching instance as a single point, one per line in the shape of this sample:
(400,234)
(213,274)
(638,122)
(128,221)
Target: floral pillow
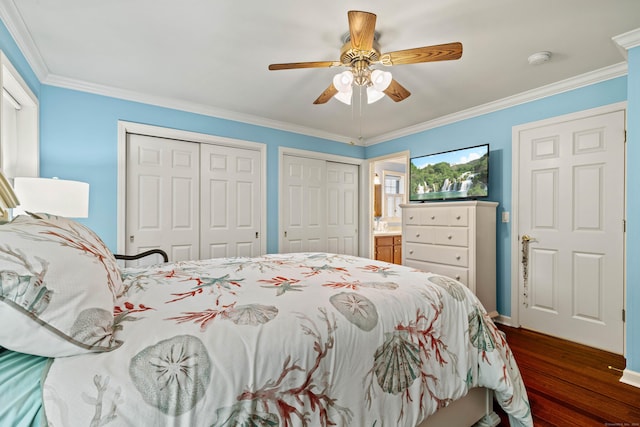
(56,298)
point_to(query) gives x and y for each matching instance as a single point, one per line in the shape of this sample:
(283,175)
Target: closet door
(163,192)
(319,206)
(303,205)
(342,208)
(230,202)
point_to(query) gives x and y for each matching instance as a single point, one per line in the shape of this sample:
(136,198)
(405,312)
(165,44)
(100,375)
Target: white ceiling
(212,55)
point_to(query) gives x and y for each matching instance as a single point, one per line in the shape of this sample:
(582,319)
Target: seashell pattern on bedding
(286,340)
(396,363)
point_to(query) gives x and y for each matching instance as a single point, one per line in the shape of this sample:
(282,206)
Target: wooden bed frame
(474,409)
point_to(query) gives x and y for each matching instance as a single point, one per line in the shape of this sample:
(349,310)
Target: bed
(303,339)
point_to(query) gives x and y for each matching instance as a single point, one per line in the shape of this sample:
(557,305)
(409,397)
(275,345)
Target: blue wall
(633,212)
(79,134)
(18,60)
(495,129)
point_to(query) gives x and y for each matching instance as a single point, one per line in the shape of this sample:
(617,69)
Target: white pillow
(56,292)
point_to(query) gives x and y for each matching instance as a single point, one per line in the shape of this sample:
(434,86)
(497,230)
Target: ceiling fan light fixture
(344,97)
(373,95)
(361,50)
(343,81)
(381,80)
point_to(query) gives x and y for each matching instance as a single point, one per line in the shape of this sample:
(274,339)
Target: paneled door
(303,206)
(163,192)
(193,200)
(230,202)
(319,206)
(571,229)
(342,208)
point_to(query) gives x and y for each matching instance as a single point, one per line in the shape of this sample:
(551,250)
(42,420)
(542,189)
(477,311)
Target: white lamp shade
(343,81)
(344,97)
(53,196)
(381,80)
(373,95)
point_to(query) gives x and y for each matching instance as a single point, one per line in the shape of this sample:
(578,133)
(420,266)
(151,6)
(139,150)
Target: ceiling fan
(360,51)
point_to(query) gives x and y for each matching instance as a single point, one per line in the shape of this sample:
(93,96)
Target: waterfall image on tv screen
(457,174)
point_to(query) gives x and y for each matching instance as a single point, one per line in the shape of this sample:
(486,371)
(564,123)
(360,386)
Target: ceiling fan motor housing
(348,55)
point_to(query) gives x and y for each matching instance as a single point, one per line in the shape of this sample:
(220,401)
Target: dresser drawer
(450,236)
(411,216)
(458,273)
(452,216)
(459,217)
(451,255)
(419,234)
(434,216)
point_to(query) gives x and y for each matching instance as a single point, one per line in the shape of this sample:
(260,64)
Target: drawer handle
(433,217)
(458,217)
(458,257)
(411,217)
(411,252)
(449,237)
(458,277)
(417,234)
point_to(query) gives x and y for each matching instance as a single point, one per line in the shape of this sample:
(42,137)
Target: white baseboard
(631,378)
(503,320)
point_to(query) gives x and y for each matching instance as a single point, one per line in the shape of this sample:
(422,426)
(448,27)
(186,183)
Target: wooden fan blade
(396,91)
(441,52)
(293,65)
(362,28)
(326,95)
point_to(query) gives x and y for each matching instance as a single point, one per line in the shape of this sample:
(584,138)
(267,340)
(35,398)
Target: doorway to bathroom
(389,187)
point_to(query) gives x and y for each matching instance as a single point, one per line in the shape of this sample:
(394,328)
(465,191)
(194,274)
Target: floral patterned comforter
(286,340)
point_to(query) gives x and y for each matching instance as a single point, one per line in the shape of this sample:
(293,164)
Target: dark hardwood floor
(570,384)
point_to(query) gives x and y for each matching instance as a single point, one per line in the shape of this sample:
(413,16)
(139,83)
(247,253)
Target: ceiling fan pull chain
(360,109)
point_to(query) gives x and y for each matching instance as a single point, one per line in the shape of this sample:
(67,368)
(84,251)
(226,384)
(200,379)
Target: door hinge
(624,225)
(257,235)
(624,315)
(625,136)
(285,234)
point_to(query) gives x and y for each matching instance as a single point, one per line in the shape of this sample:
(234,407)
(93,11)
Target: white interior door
(230,222)
(303,205)
(342,208)
(571,204)
(163,190)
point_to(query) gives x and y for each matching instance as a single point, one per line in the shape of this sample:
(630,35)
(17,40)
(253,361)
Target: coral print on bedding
(286,340)
(56,289)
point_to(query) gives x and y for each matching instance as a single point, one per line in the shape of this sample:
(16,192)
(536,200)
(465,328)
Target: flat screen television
(450,175)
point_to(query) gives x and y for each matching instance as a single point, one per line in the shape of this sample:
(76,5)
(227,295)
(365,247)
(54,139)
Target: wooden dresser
(388,248)
(455,239)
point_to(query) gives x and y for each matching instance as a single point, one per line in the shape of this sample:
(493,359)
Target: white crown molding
(607,73)
(67,83)
(13,21)
(628,40)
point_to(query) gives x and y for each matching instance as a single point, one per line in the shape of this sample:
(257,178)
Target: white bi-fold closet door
(319,206)
(193,200)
